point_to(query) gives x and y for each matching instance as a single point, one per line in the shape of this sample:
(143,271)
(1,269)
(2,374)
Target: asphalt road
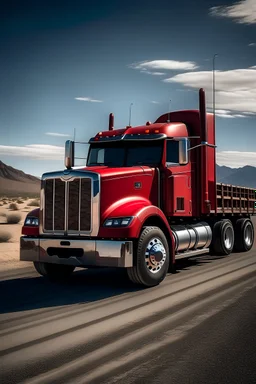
(198,326)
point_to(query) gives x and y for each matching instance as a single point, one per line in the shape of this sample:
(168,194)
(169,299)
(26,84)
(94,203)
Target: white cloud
(164,65)
(243,12)
(227,114)
(153,73)
(57,134)
(88,99)
(235,89)
(252,45)
(34,151)
(223,113)
(155,102)
(236,159)
(249,113)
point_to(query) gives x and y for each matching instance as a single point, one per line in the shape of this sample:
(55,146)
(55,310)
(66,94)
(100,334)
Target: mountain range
(243,177)
(15,182)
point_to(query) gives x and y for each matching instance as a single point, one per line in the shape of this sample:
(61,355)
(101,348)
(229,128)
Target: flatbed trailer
(233,200)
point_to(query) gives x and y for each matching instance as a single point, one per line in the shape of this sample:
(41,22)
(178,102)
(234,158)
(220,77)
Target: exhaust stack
(205,203)
(111,122)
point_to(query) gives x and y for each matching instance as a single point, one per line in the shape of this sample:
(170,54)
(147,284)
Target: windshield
(126,154)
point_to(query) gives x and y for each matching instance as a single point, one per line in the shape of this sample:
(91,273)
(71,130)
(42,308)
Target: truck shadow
(186,264)
(84,286)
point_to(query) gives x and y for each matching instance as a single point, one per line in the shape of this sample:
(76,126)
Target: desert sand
(9,251)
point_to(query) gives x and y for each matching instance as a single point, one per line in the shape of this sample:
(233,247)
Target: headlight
(118,222)
(33,221)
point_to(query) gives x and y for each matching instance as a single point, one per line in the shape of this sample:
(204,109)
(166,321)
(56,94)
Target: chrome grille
(68,205)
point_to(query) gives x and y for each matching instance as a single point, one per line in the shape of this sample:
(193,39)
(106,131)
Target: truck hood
(106,171)
(122,188)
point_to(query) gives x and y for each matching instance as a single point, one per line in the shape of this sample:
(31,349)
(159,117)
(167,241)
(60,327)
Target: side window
(101,155)
(172,151)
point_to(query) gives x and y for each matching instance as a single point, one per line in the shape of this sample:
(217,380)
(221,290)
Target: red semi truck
(147,197)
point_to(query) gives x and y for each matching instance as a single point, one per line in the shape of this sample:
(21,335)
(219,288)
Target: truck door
(177,183)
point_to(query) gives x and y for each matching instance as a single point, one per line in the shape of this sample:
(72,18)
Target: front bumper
(79,253)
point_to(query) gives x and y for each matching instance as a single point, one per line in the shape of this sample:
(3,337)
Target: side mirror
(183,151)
(69,154)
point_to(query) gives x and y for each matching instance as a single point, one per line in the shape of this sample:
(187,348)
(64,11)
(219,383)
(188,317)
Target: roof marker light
(146,130)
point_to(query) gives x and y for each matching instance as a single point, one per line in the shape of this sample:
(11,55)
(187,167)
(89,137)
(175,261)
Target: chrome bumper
(80,253)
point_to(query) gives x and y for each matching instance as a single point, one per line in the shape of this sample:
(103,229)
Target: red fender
(31,230)
(140,210)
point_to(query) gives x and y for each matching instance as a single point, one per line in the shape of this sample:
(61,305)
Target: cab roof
(154,131)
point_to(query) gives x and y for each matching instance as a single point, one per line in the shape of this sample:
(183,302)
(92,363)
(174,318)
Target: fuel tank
(191,236)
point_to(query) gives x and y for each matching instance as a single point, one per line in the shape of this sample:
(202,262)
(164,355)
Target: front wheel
(53,271)
(153,259)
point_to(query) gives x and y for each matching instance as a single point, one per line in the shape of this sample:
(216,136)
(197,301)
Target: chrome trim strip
(192,253)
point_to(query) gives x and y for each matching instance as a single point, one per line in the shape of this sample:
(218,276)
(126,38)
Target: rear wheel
(244,235)
(222,238)
(152,258)
(54,271)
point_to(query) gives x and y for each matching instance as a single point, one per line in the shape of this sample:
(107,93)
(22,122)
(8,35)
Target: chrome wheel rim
(248,235)
(155,255)
(228,240)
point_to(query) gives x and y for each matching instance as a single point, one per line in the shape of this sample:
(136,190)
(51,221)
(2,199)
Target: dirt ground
(9,251)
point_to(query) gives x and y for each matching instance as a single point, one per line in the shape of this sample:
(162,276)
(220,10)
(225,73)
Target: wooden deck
(234,199)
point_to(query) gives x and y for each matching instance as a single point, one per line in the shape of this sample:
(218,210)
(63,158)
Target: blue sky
(68,64)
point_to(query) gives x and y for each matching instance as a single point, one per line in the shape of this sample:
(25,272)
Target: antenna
(168,121)
(213,86)
(130,114)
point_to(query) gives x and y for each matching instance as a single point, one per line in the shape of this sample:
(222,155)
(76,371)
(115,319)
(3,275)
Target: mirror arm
(202,144)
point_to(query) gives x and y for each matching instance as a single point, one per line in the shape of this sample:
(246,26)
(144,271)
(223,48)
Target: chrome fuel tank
(192,236)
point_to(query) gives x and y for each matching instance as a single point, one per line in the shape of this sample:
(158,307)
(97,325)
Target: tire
(244,235)
(54,272)
(153,258)
(223,238)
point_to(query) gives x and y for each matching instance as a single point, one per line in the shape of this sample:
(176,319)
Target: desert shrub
(34,203)
(13,207)
(2,214)
(4,236)
(19,201)
(13,218)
